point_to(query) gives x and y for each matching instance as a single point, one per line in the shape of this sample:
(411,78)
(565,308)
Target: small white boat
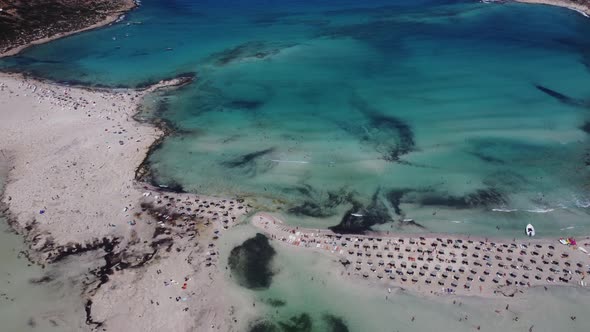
(356,214)
(530,230)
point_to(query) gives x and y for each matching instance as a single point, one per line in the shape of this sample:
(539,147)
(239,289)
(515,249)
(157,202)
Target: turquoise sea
(466,117)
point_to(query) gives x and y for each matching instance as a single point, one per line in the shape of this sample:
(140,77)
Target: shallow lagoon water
(310,283)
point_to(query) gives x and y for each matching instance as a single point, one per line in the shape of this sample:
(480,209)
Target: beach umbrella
(404,265)
(415,279)
(380,275)
(373,268)
(445,275)
(469,278)
(554,262)
(369,262)
(538,246)
(496,280)
(482,278)
(513,266)
(453,260)
(538,276)
(421,272)
(365,274)
(441,282)
(412,241)
(379,254)
(525,275)
(522,283)
(551,247)
(550,279)
(579,264)
(381,262)
(392,277)
(454,284)
(509,259)
(428,281)
(358,267)
(359,261)
(414,265)
(387,270)
(410,271)
(467,285)
(389,255)
(408,249)
(399,271)
(433,274)
(473,271)
(539,268)
(449,268)
(437,267)
(462,269)
(456,277)
(509,282)
(513,275)
(567,263)
(391,263)
(425,266)
(464,247)
(404,278)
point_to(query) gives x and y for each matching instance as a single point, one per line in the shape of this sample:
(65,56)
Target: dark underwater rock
(263,326)
(318,204)
(250,262)
(374,214)
(479,198)
(335,324)
(389,135)
(567,100)
(301,323)
(248,162)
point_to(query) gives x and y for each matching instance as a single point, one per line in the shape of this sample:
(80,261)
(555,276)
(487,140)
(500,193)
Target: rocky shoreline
(27,23)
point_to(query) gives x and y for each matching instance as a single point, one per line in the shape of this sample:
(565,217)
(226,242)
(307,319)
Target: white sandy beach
(73,154)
